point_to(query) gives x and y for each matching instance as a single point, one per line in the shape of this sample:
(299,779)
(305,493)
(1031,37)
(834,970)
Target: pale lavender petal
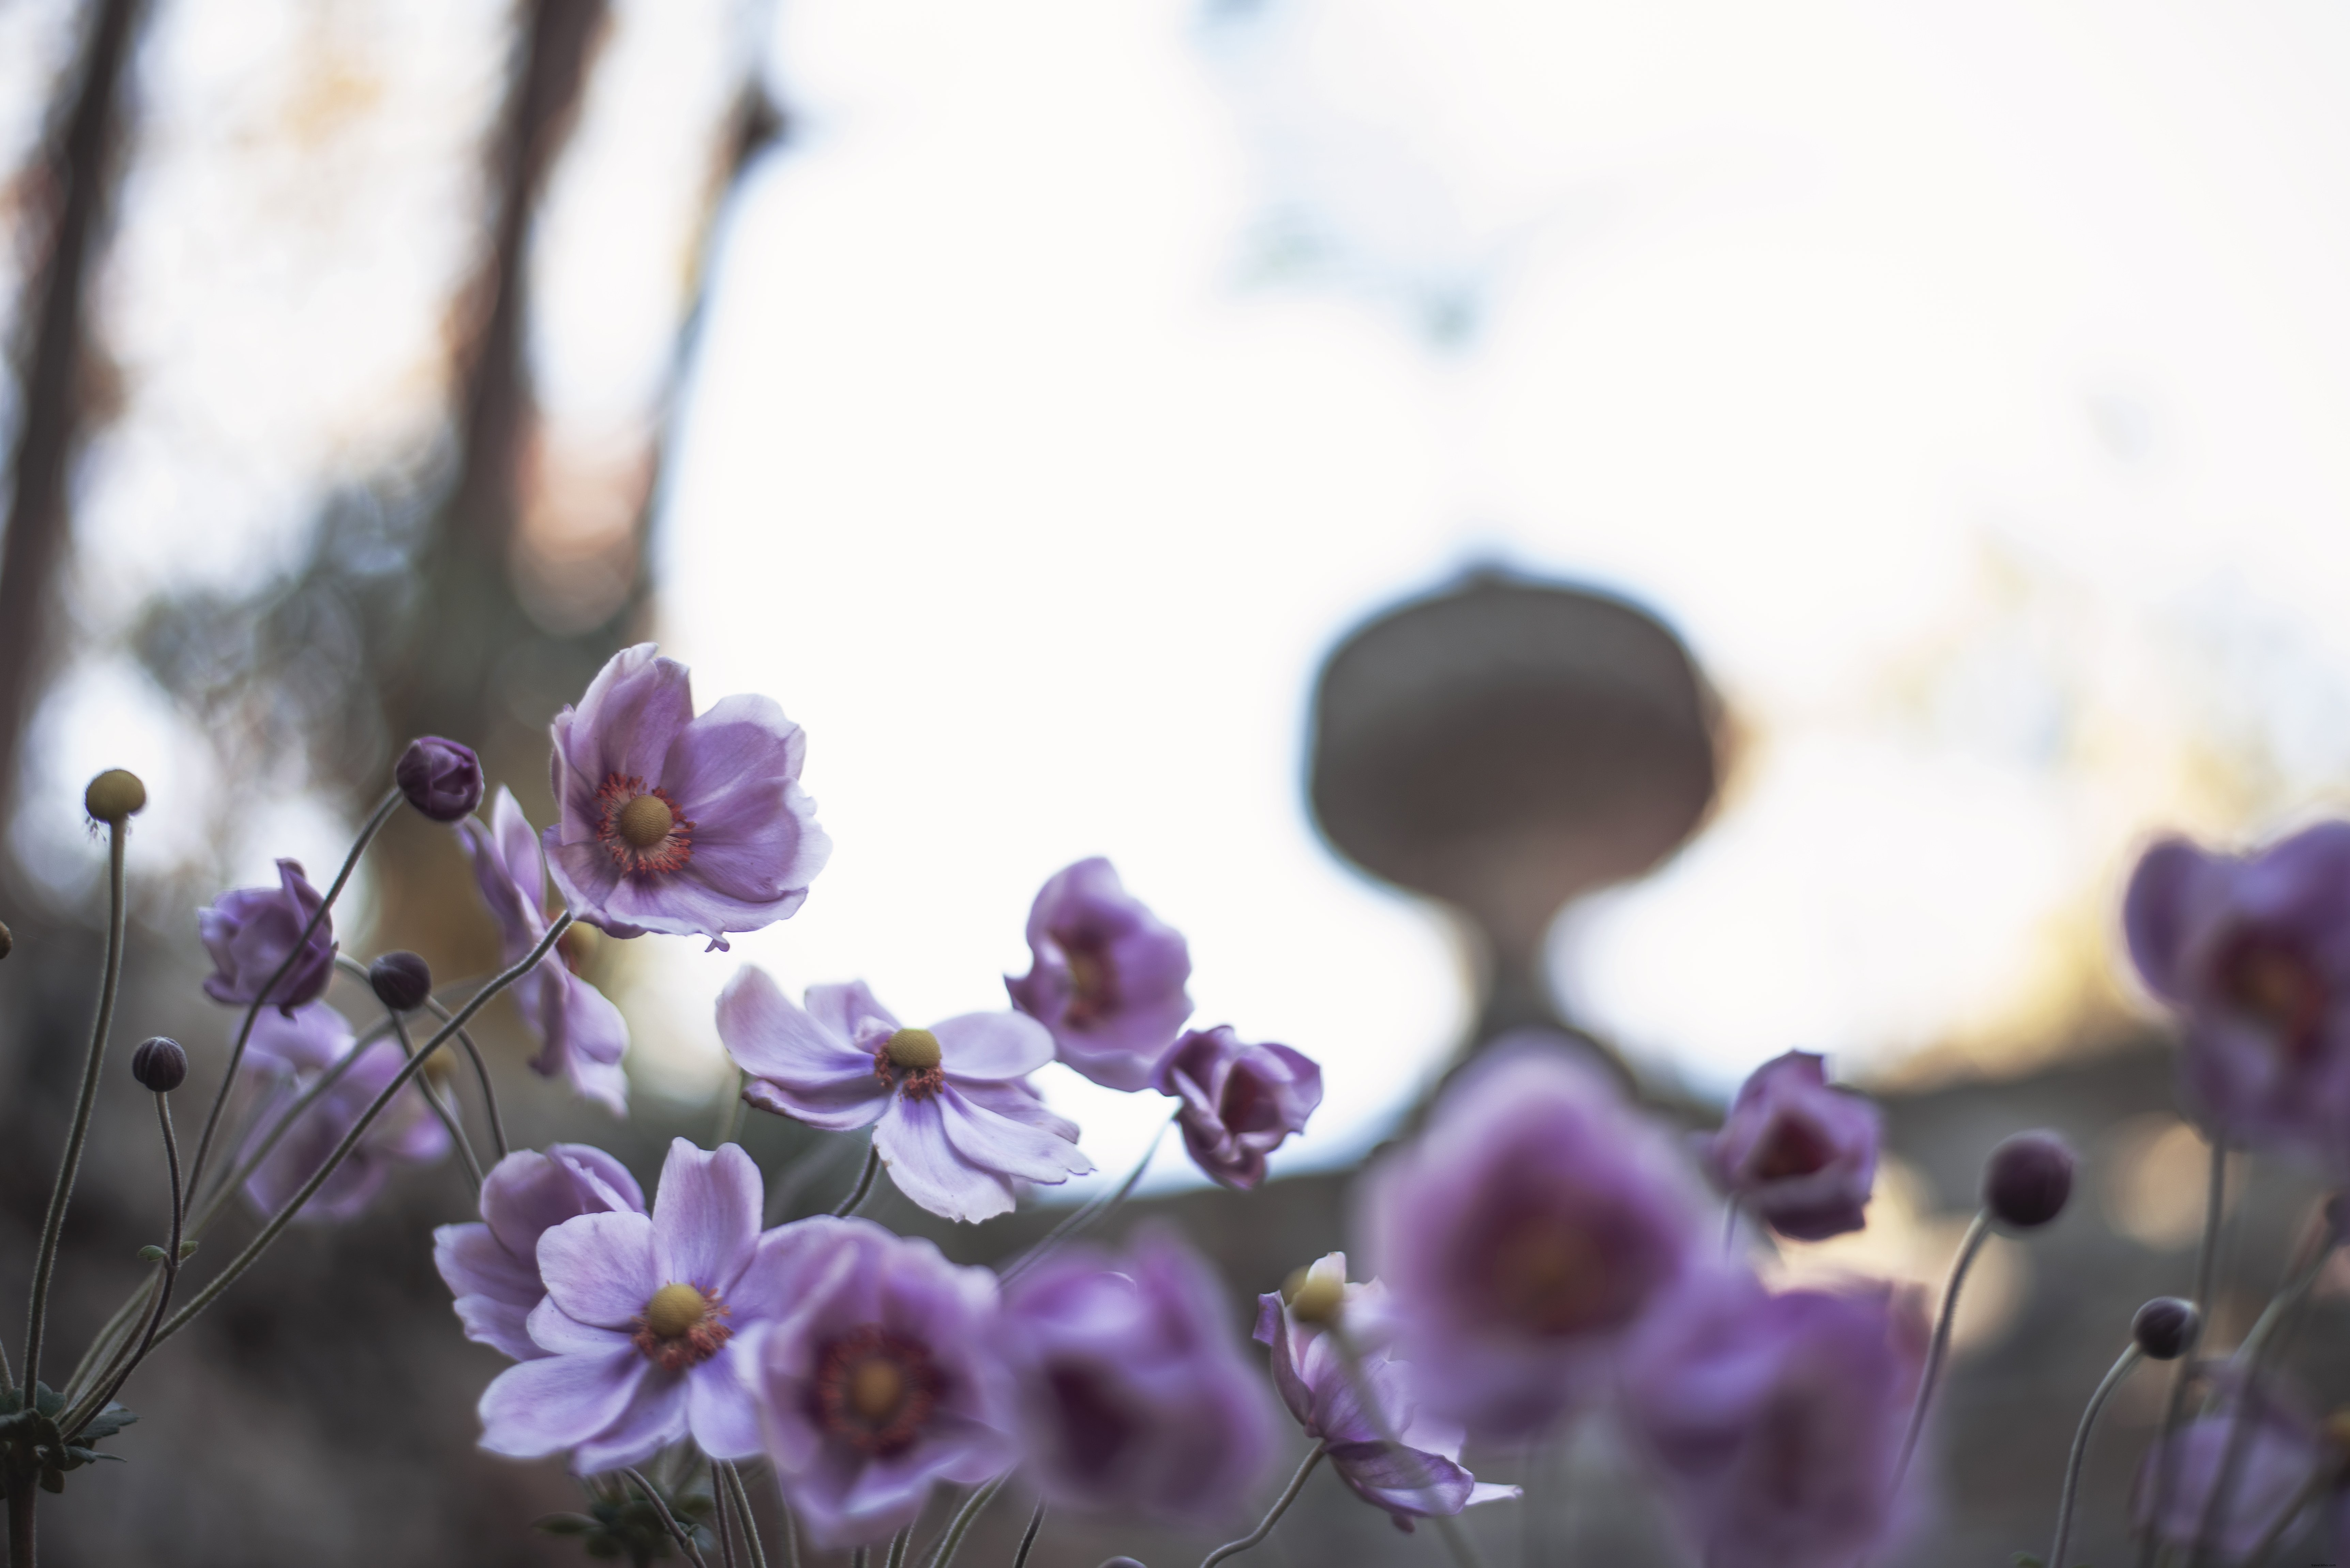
(557,1332)
(1006,1147)
(734,772)
(923,1165)
(598,1268)
(1016,1100)
(500,1324)
(706,1218)
(653,1419)
(770,1038)
(473,1262)
(312,1038)
(718,1407)
(844,1107)
(537,1408)
(992,1045)
(626,723)
(841,1008)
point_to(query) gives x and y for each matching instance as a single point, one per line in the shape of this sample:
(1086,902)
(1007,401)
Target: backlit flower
(491,1266)
(581,1034)
(1797,1153)
(1414,1479)
(666,822)
(1107,978)
(639,1325)
(408,1133)
(1133,1393)
(1240,1102)
(880,1381)
(951,1112)
(1530,1227)
(249,932)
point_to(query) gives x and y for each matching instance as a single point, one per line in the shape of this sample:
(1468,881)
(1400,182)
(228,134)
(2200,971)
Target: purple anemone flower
(951,1114)
(1240,1101)
(408,1133)
(249,932)
(581,1034)
(695,827)
(879,1380)
(1797,1153)
(491,1266)
(1107,978)
(1133,1392)
(1417,1478)
(2255,951)
(1531,1226)
(309,1039)
(1776,1421)
(639,1322)
(2277,1452)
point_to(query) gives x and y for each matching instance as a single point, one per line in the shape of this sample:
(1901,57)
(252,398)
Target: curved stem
(2121,1369)
(721,1508)
(68,1167)
(669,1520)
(238,1174)
(2207,1253)
(952,1541)
(398,1081)
(1090,1213)
(1272,1516)
(244,1032)
(358,971)
(81,1414)
(1028,1536)
(1977,1234)
(898,1546)
(441,1109)
(731,1480)
(847,1205)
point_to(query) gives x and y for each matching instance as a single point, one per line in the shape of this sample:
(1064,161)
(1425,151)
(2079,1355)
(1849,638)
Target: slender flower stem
(2207,1254)
(720,1508)
(669,1520)
(898,1546)
(70,1165)
(847,1205)
(440,1108)
(244,1031)
(1448,1525)
(790,1523)
(1090,1213)
(1028,1536)
(861,1558)
(731,1480)
(239,1173)
(2113,1378)
(358,971)
(415,1064)
(1272,1516)
(730,1111)
(952,1541)
(1977,1234)
(2253,1355)
(81,1414)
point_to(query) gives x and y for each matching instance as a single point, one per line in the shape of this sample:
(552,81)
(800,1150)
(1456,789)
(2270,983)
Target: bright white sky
(1965,382)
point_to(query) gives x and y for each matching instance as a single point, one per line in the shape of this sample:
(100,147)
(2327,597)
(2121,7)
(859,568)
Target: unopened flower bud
(2028,1179)
(2165,1327)
(402,981)
(1316,1296)
(160,1064)
(115,797)
(441,778)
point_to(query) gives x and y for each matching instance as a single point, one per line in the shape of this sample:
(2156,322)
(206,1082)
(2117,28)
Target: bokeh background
(1028,396)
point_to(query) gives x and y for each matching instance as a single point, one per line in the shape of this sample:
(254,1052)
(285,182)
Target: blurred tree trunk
(74,179)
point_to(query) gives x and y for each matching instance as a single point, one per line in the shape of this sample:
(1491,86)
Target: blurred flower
(408,1133)
(1133,1393)
(1107,976)
(670,823)
(249,932)
(442,779)
(581,1034)
(2276,1454)
(1240,1101)
(1524,1233)
(880,1380)
(638,1324)
(1421,1477)
(491,1266)
(1776,1421)
(306,1040)
(950,1112)
(2255,951)
(1796,1153)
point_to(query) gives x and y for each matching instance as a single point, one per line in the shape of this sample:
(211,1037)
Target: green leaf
(152,1253)
(107,1422)
(2026,1560)
(187,1251)
(48,1400)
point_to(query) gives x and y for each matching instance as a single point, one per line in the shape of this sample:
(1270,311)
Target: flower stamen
(876,1390)
(911,1060)
(641,828)
(680,1328)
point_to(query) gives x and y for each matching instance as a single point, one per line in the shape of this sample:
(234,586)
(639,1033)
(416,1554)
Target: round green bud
(115,797)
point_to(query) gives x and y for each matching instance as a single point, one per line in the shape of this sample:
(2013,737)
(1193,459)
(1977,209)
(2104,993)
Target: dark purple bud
(441,778)
(160,1064)
(2027,1180)
(2165,1327)
(402,981)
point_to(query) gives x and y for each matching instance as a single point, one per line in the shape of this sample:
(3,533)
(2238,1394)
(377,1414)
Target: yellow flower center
(876,1388)
(645,821)
(913,1050)
(675,1310)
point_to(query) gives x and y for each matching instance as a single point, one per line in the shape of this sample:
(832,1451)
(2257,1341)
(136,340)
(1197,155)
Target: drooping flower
(2254,951)
(640,1321)
(491,1266)
(1419,1475)
(1107,979)
(1240,1102)
(695,827)
(581,1034)
(408,1133)
(2276,1453)
(249,932)
(951,1112)
(1530,1227)
(1797,1153)
(881,1378)
(441,778)
(1775,1422)
(1134,1396)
